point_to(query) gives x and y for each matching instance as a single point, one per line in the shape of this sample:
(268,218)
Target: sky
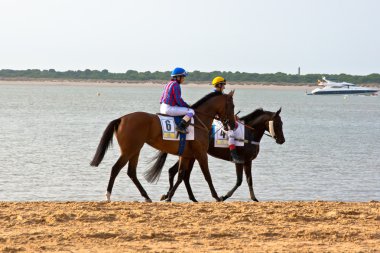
(320,36)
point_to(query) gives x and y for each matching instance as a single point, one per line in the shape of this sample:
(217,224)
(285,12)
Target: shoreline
(317,226)
(158,83)
(153,84)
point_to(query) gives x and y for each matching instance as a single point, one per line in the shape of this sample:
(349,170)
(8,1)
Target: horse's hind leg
(121,162)
(172,172)
(239,180)
(248,174)
(133,175)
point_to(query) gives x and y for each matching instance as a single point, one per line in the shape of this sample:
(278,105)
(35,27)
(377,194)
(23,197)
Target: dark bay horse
(135,129)
(256,123)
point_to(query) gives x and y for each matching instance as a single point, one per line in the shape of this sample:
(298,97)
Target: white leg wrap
(108,195)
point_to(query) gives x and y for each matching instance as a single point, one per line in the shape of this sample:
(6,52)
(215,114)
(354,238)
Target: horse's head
(266,121)
(274,127)
(227,113)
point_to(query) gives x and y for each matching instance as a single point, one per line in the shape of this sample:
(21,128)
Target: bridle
(225,121)
(271,129)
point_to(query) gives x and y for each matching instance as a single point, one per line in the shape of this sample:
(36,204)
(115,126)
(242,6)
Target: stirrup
(235,157)
(237,161)
(181,127)
(181,130)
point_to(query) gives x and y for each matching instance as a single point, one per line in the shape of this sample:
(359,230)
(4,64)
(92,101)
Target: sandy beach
(186,227)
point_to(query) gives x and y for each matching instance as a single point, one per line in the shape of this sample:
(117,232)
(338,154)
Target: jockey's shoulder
(173,83)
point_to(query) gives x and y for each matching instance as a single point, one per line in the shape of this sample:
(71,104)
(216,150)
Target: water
(49,134)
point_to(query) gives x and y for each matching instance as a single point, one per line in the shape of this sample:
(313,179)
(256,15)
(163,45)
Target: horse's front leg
(203,163)
(187,181)
(172,172)
(248,174)
(239,180)
(182,167)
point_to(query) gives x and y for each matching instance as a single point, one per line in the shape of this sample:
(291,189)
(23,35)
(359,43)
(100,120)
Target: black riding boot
(181,127)
(235,157)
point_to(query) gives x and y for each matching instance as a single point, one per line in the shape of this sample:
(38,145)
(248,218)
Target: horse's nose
(280,141)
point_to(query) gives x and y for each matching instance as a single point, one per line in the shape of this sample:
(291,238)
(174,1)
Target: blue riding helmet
(179,72)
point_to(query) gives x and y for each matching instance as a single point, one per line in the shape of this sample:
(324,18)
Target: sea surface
(49,134)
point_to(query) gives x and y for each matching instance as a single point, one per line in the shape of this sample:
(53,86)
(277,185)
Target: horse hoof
(163,197)
(255,200)
(219,199)
(148,201)
(223,198)
(108,196)
(194,200)
(168,200)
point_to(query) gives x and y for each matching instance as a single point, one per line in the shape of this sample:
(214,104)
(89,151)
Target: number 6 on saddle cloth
(169,133)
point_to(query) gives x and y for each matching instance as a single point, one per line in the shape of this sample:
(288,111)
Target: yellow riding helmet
(218,80)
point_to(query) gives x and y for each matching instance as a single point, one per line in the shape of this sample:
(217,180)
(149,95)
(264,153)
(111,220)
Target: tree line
(195,76)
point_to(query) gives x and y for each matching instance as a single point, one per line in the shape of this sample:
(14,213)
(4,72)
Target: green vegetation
(195,76)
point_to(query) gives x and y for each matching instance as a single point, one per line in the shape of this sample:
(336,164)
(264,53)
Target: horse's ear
(231,94)
(278,112)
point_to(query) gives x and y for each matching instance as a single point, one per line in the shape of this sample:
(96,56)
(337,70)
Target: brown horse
(135,129)
(256,123)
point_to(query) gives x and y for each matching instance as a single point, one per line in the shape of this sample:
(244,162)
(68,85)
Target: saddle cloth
(168,129)
(221,137)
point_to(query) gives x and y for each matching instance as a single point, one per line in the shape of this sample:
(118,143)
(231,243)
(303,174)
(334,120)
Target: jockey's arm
(178,98)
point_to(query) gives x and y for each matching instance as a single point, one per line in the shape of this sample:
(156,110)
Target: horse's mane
(205,98)
(256,113)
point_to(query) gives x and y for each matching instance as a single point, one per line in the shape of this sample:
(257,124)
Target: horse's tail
(153,173)
(105,142)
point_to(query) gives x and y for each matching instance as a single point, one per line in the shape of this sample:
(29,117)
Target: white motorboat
(334,88)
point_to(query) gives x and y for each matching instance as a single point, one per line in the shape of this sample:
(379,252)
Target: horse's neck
(205,117)
(206,114)
(258,134)
(258,127)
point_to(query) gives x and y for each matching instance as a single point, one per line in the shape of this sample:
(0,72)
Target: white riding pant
(175,110)
(231,137)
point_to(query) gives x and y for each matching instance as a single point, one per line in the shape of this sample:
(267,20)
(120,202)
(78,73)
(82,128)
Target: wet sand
(187,227)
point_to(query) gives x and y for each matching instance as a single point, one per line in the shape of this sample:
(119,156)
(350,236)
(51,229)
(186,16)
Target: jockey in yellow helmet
(219,84)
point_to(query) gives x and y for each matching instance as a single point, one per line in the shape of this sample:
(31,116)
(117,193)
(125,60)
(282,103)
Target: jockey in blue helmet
(172,102)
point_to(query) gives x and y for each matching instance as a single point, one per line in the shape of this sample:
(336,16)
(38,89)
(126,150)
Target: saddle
(221,138)
(170,133)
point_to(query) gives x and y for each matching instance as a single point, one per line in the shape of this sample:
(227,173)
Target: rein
(270,135)
(203,113)
(203,124)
